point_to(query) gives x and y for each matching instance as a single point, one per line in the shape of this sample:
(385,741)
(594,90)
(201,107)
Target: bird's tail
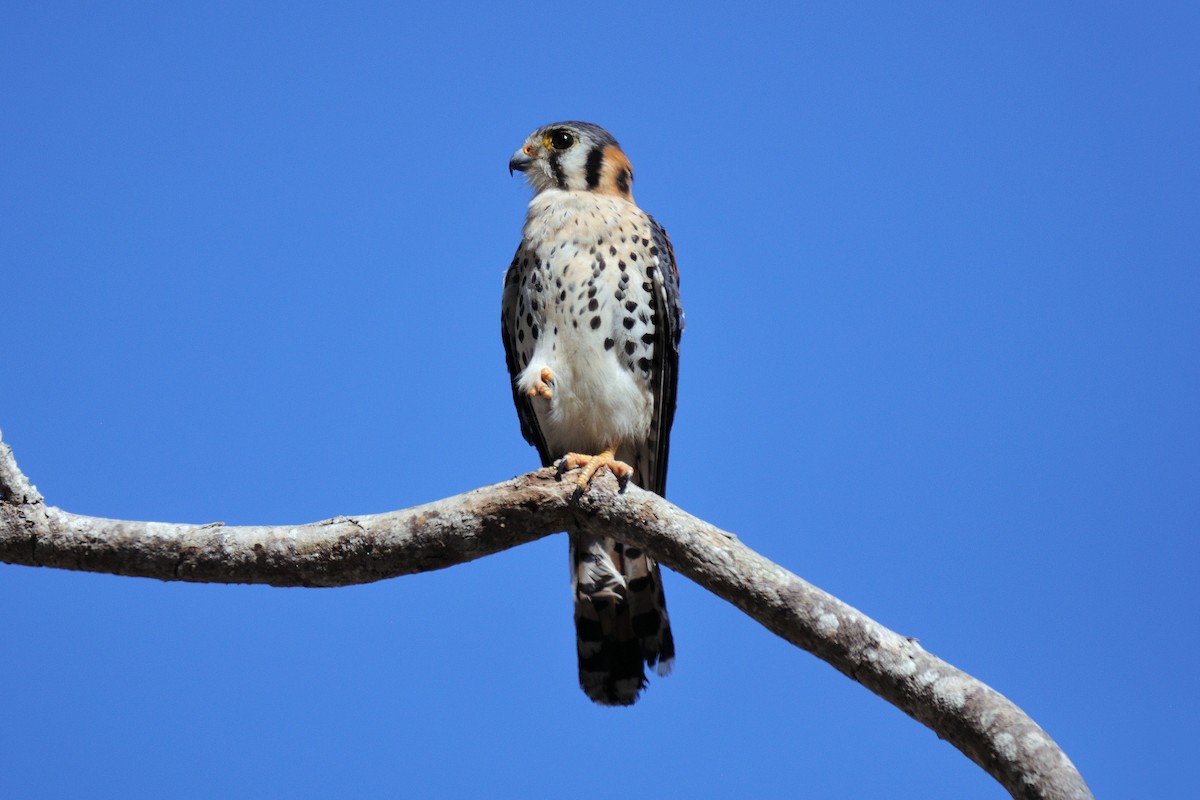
(621,623)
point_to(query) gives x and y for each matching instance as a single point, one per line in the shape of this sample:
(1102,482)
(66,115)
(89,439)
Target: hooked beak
(521,160)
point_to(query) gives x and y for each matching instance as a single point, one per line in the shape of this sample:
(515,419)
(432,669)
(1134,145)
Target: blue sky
(940,270)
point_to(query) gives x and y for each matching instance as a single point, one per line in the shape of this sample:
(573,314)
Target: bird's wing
(664,373)
(512,355)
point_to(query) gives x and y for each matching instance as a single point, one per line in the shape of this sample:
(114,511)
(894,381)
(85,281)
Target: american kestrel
(591,322)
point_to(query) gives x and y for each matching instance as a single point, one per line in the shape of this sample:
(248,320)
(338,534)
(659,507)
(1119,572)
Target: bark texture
(976,719)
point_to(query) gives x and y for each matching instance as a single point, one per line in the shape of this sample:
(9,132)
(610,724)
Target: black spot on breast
(621,266)
(520,334)
(644,364)
(595,323)
(619,294)
(631,305)
(647,338)
(627,322)
(593,304)
(534,331)
(653,250)
(630,347)
(633,256)
(608,344)
(562,295)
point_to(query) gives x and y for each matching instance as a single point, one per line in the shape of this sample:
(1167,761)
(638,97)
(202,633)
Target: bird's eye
(558,139)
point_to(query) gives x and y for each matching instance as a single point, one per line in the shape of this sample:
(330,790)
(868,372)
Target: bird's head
(575,156)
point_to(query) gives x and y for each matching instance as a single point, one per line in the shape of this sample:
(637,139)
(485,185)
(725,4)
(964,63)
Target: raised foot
(590,465)
(541,387)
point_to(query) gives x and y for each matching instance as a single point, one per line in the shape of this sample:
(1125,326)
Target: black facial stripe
(594,160)
(623,181)
(556,170)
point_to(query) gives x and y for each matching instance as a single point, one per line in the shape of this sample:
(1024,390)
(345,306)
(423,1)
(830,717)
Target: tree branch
(979,721)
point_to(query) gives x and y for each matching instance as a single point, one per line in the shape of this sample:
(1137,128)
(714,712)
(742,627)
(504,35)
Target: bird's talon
(543,386)
(590,465)
(560,469)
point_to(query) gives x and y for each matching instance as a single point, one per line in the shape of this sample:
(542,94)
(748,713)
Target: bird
(591,321)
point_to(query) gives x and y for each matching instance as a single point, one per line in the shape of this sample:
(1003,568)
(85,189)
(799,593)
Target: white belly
(596,402)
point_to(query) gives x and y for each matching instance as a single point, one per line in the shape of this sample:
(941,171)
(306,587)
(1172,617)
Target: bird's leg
(541,387)
(589,465)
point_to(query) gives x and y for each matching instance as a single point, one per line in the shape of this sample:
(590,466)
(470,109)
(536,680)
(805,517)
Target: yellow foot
(589,465)
(541,387)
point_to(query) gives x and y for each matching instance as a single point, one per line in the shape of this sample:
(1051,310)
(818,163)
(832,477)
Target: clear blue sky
(941,268)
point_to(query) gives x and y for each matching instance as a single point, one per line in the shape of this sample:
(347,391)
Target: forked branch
(979,721)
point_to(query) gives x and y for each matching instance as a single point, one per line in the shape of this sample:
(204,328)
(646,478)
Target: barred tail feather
(621,621)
